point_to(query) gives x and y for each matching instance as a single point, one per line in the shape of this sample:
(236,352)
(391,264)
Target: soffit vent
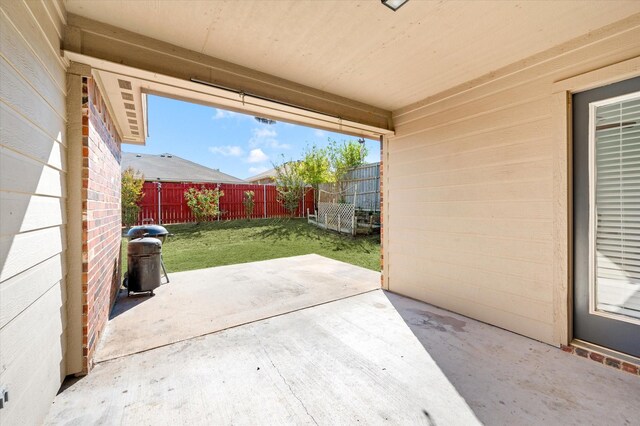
(127,96)
(129,106)
(131,114)
(124,84)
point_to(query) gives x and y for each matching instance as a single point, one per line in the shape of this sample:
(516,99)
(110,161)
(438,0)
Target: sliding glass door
(607,216)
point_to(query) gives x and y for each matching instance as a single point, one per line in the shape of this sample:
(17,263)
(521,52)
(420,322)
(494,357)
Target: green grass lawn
(225,243)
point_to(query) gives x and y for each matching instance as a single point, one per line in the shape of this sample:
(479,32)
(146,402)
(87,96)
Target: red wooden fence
(173,206)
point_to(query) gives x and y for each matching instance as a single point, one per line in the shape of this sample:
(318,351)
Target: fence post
(264,200)
(159,203)
(339,225)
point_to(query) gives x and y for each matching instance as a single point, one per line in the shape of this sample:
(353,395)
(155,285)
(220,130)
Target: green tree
(130,195)
(203,203)
(315,169)
(248,201)
(342,158)
(290,185)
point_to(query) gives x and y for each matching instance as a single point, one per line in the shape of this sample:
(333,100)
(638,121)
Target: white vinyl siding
(32,208)
(615,127)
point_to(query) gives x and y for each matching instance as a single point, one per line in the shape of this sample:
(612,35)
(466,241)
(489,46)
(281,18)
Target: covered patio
(315,341)
(486,115)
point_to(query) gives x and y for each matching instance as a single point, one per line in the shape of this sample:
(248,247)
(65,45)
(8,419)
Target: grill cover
(144,264)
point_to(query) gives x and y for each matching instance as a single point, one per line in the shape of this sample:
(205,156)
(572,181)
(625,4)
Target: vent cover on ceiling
(127,96)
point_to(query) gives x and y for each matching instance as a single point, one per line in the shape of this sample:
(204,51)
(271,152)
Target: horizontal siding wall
(469,188)
(32,208)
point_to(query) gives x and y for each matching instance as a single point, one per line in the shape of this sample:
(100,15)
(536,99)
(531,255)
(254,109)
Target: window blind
(616,136)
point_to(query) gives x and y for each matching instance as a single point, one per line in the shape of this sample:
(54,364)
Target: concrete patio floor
(508,379)
(204,301)
(370,357)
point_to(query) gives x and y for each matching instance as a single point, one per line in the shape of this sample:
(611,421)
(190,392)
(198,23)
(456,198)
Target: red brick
(581,352)
(101,219)
(568,349)
(596,357)
(630,368)
(612,362)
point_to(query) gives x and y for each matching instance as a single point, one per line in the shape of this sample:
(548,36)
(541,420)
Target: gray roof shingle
(171,168)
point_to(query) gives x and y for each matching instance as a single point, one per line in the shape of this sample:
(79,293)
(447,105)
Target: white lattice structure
(335,216)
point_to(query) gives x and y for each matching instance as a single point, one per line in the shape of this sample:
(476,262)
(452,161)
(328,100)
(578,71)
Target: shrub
(290,185)
(204,203)
(249,203)
(130,195)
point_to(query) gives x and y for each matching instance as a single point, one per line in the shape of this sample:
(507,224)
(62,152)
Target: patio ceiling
(361,50)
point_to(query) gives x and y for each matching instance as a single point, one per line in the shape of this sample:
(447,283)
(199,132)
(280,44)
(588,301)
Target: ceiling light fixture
(394,4)
(264,120)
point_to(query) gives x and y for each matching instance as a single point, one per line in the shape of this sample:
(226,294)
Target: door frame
(561,110)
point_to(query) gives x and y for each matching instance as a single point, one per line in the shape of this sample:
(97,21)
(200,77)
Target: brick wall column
(101,217)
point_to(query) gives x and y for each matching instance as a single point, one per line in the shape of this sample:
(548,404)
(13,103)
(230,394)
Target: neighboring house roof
(269,174)
(171,168)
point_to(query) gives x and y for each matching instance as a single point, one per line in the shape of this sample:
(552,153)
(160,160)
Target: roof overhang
(127,105)
(139,83)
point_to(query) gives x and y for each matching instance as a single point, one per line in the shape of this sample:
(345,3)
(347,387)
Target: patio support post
(74,281)
(384,211)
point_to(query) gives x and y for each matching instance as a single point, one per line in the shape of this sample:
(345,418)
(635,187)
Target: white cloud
(227,150)
(265,136)
(319,133)
(257,156)
(220,114)
(257,170)
(264,132)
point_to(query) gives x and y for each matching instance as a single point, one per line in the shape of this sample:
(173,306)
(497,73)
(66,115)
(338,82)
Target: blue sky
(234,143)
